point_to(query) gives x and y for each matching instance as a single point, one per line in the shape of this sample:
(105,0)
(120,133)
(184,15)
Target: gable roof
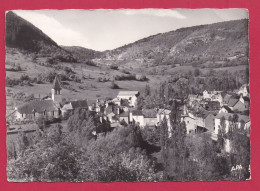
(137,113)
(79,104)
(128,93)
(57,83)
(124,114)
(245,118)
(109,109)
(38,106)
(232,102)
(149,113)
(227,98)
(164,111)
(227,108)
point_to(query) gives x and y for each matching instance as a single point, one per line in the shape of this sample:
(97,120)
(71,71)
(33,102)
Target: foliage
(90,63)
(114,85)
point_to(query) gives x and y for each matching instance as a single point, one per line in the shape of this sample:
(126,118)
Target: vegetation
(90,63)
(114,85)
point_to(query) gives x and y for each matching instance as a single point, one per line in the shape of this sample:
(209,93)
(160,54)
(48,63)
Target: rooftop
(149,113)
(126,93)
(38,106)
(245,118)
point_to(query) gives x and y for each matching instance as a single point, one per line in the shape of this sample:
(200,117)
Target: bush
(114,86)
(125,77)
(11,82)
(114,67)
(125,71)
(90,63)
(141,78)
(24,77)
(68,70)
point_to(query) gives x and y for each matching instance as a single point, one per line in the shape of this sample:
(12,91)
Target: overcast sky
(109,29)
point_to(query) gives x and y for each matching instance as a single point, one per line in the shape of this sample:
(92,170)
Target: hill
(26,37)
(219,43)
(82,54)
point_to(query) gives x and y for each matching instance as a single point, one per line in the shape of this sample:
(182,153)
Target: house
(137,117)
(244,90)
(238,104)
(200,122)
(194,98)
(72,105)
(37,108)
(225,109)
(96,106)
(150,117)
(124,116)
(211,105)
(42,108)
(111,117)
(131,96)
(226,99)
(213,96)
(117,101)
(161,113)
(228,117)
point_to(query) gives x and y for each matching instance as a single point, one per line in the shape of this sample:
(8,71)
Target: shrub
(141,78)
(24,77)
(114,86)
(11,82)
(125,77)
(125,71)
(114,67)
(90,63)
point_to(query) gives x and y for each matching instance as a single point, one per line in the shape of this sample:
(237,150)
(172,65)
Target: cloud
(62,35)
(154,12)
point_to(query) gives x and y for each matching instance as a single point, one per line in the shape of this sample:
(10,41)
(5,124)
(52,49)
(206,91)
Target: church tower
(56,91)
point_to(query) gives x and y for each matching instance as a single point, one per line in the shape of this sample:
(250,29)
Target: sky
(108,29)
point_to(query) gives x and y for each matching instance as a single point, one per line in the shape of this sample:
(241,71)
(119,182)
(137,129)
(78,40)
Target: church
(47,108)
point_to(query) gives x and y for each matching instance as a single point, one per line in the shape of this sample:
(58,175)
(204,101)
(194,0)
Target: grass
(89,88)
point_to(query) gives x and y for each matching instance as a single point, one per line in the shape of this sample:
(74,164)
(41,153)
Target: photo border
(254,64)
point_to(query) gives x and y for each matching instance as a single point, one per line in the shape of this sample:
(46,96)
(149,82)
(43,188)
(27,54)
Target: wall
(139,119)
(190,124)
(125,118)
(150,121)
(239,106)
(210,122)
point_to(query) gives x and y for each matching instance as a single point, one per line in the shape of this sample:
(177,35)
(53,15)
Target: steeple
(57,83)
(56,90)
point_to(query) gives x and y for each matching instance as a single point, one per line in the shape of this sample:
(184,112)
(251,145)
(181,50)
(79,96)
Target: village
(201,113)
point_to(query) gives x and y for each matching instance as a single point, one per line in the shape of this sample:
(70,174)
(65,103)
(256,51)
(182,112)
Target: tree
(240,151)
(147,90)
(177,152)
(164,145)
(140,102)
(222,133)
(196,72)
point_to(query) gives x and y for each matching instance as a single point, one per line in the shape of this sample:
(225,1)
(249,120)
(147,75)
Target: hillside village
(201,113)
